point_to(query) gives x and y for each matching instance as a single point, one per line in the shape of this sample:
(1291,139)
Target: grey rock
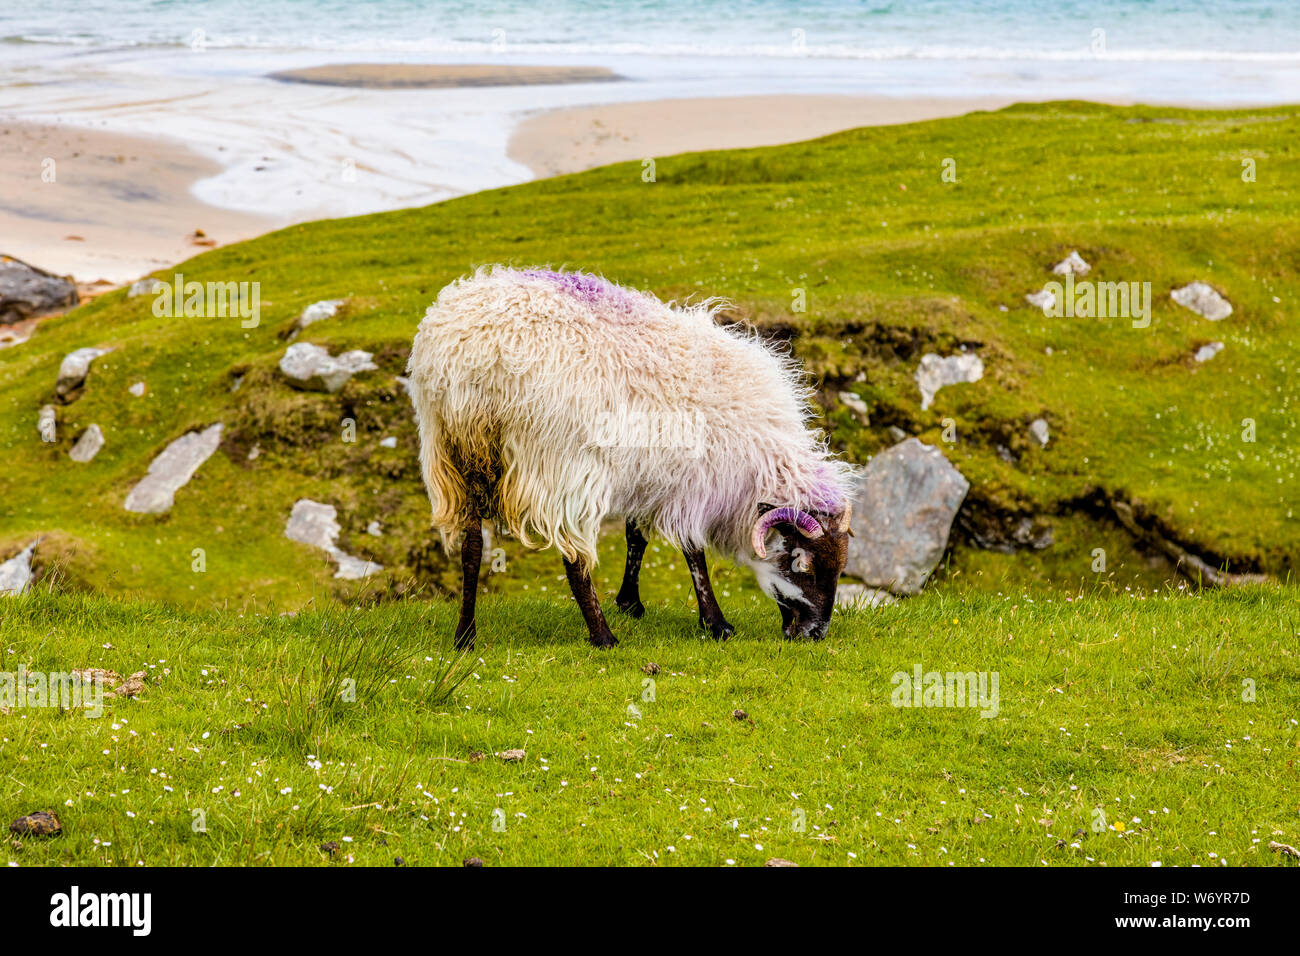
(16,573)
(854,403)
(1038,431)
(938,371)
(47,423)
(170,471)
(353,569)
(1044,299)
(316,524)
(26,291)
(325,309)
(896,433)
(1072,264)
(312,368)
(907,498)
(144,287)
(88,445)
(1207,352)
(1201,298)
(73,371)
(375,529)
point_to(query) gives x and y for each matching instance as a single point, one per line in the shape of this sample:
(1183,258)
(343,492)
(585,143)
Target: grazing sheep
(549,401)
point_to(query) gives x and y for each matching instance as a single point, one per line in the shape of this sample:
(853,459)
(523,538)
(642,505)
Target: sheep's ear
(843,519)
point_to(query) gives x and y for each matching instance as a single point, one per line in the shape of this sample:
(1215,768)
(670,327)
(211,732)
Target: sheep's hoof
(630,606)
(603,640)
(720,629)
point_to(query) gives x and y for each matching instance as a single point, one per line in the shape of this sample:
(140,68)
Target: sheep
(549,401)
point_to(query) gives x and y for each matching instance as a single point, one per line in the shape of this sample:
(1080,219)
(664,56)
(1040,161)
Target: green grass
(1145,194)
(1124,703)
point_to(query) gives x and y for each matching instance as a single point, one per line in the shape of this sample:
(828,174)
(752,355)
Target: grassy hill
(892,260)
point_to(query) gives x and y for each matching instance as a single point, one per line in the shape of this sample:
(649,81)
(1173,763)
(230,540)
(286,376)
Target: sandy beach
(556,142)
(104,206)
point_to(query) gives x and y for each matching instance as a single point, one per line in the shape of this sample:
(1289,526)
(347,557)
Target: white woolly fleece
(583,400)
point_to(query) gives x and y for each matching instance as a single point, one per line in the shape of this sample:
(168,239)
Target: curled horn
(806,523)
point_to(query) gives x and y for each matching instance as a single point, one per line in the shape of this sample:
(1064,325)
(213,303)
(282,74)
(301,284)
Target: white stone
(1038,431)
(316,524)
(144,287)
(74,368)
(1207,352)
(312,368)
(88,445)
(375,528)
(325,309)
(938,371)
(47,423)
(170,471)
(353,569)
(137,389)
(389,442)
(854,403)
(16,573)
(1072,264)
(1045,299)
(1201,298)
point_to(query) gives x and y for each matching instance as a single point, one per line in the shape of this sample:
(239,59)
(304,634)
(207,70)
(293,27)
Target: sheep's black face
(801,573)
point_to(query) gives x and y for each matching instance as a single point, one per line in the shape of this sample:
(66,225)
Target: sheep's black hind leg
(629,595)
(471,556)
(711,618)
(585,594)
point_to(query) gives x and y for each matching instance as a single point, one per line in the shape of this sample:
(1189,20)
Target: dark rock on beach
(26,292)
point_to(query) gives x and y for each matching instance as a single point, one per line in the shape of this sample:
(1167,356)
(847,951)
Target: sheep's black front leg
(585,594)
(471,557)
(629,595)
(710,614)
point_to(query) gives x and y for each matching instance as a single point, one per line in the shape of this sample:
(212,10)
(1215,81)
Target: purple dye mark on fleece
(593,290)
(827,497)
